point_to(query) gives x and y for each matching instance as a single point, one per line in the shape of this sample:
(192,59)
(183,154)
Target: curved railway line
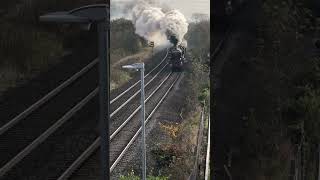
(57,134)
(57,137)
(87,165)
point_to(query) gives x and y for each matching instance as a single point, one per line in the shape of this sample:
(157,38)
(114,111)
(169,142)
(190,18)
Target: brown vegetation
(174,148)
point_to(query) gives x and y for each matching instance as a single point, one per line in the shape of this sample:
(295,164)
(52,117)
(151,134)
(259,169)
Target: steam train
(176,57)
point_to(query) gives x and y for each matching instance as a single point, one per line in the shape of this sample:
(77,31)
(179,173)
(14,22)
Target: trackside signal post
(151,44)
(97,14)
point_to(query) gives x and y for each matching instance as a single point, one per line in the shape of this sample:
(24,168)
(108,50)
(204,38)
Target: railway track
(34,137)
(87,166)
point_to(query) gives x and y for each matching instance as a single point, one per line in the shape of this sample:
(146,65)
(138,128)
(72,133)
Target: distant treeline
(124,41)
(123,35)
(198,38)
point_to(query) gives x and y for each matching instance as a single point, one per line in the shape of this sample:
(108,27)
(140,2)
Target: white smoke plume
(157,22)
(175,24)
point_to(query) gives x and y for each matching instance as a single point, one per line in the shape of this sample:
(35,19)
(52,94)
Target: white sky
(187,7)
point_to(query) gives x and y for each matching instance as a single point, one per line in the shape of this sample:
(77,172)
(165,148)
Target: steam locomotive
(176,54)
(176,57)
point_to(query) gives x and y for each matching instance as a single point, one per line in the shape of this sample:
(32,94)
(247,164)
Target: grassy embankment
(126,47)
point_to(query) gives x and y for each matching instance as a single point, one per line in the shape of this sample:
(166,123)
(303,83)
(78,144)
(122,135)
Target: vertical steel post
(104,92)
(143,125)
(208,152)
(318,161)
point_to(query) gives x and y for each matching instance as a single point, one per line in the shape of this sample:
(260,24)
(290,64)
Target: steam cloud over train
(162,25)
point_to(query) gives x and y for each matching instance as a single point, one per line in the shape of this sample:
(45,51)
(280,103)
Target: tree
(198,17)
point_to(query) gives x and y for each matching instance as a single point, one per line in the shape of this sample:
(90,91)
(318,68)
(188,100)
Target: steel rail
(116,98)
(137,133)
(58,89)
(134,95)
(134,113)
(53,128)
(206,176)
(93,147)
(47,97)
(46,134)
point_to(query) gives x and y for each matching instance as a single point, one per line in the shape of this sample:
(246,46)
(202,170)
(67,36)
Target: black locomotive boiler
(176,57)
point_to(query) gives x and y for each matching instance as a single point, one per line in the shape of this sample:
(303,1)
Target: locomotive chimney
(173,40)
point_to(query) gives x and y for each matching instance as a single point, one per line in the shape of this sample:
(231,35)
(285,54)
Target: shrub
(132,176)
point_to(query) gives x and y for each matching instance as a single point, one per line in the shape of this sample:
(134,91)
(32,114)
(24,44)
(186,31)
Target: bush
(132,176)
(204,96)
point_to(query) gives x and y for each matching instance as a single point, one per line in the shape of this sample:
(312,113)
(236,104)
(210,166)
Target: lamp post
(140,66)
(97,14)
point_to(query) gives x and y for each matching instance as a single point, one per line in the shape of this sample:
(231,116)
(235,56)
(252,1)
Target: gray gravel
(169,110)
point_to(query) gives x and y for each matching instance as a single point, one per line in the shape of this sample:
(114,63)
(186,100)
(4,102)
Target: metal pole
(104,92)
(318,161)
(143,125)
(208,153)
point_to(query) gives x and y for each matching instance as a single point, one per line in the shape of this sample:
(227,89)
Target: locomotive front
(176,59)
(176,55)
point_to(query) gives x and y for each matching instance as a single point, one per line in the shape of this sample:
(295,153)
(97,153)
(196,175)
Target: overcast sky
(187,7)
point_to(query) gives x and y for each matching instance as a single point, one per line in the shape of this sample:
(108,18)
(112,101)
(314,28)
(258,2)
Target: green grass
(132,176)
(118,78)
